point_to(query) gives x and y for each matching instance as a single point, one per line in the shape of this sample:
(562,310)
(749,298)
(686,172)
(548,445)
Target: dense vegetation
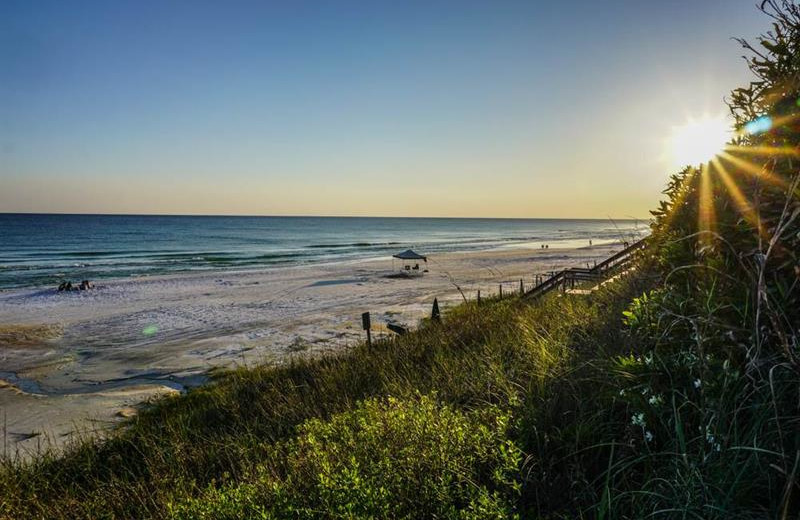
(673,392)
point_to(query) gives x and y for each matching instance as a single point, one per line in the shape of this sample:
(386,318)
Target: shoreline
(321,261)
(103,352)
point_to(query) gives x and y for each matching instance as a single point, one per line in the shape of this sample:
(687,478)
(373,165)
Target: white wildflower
(656,400)
(648,436)
(637,419)
(698,383)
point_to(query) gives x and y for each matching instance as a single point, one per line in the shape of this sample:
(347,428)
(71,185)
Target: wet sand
(75,363)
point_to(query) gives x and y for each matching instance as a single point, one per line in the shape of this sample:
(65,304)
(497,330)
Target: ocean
(39,250)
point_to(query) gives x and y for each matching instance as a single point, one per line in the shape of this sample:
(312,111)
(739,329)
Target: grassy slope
(541,363)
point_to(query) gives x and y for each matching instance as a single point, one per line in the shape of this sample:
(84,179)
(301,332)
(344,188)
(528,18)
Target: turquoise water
(42,250)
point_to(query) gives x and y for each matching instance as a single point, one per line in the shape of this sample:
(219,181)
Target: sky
(376,108)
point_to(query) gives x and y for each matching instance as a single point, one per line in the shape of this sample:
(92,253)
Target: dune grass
(501,355)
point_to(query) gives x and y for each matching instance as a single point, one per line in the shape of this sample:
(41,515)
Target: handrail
(579,273)
(624,253)
(546,286)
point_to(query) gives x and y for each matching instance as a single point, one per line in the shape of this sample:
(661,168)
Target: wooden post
(521,287)
(435,314)
(366,325)
(501,291)
(479,296)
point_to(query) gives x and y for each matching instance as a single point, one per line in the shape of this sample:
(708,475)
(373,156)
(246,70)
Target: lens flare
(699,140)
(149,330)
(758,126)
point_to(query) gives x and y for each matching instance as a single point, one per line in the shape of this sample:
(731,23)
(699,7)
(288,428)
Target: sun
(699,140)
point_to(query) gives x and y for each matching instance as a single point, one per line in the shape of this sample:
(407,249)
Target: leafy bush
(386,458)
(711,393)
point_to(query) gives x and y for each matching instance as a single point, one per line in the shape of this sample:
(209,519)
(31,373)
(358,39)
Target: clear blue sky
(516,109)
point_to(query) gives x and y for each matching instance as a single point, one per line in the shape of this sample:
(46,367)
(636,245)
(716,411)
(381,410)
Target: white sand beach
(78,362)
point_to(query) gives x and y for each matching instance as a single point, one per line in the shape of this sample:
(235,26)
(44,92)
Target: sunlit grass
(706,212)
(740,201)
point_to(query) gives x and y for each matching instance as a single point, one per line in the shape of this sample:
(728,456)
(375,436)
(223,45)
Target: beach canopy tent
(410,255)
(410,260)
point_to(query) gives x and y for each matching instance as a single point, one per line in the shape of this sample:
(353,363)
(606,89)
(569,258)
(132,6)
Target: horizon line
(628,218)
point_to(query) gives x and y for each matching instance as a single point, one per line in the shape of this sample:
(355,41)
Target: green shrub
(386,458)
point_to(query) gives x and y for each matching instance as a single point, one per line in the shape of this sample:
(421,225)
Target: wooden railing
(567,277)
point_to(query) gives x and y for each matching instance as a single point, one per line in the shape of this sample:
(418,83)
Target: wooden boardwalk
(566,278)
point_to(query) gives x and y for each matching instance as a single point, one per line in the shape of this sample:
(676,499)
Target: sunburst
(706,146)
(699,140)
